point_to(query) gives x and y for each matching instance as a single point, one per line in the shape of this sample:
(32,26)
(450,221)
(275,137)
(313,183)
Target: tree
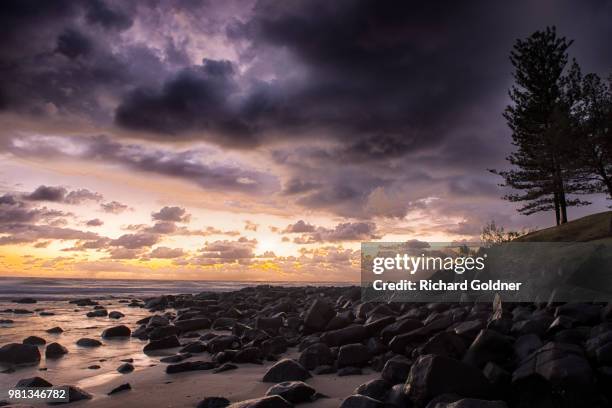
(539,120)
(491,234)
(592,115)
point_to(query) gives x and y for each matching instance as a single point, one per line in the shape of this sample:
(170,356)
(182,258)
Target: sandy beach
(272,346)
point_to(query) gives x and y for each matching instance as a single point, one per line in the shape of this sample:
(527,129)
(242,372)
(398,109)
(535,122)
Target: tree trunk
(557,213)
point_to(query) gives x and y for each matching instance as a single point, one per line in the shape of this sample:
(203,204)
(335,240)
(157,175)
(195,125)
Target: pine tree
(592,115)
(540,123)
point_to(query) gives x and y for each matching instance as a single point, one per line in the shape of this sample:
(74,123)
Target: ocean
(61,288)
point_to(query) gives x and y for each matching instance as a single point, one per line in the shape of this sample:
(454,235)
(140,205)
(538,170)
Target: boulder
(159,332)
(396,370)
(190,366)
(347,335)
(355,355)
(293,391)
(15,353)
(34,341)
(360,401)
(87,342)
(116,331)
(97,313)
(213,402)
(286,370)
(200,323)
(316,355)
(269,324)
(194,347)
(376,389)
(344,371)
(164,343)
(318,315)
(55,350)
(272,401)
(115,315)
(125,368)
(446,344)
(76,393)
(33,382)
(433,375)
(248,355)
(122,387)
(489,346)
(470,403)
(221,343)
(55,330)
(400,327)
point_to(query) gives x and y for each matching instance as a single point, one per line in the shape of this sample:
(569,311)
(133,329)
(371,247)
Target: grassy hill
(594,227)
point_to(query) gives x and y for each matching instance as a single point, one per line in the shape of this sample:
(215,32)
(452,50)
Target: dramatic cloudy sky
(257,140)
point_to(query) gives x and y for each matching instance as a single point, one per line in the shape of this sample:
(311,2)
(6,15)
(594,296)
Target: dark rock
(6,321)
(316,355)
(43,313)
(286,370)
(396,370)
(201,323)
(375,346)
(94,367)
(83,302)
(15,353)
(55,350)
(324,369)
(376,389)
(489,346)
(555,366)
(225,367)
(344,371)
(275,345)
(115,315)
(585,313)
(374,326)
(223,323)
(213,402)
(355,355)
(175,358)
(348,335)
(97,313)
(125,368)
(445,344)
(499,378)
(221,343)
(433,375)
(248,355)
(361,401)
(190,366)
(400,327)
(74,394)
(537,326)
(164,343)
(318,315)
(159,332)
(34,341)
(33,382)
(269,324)
(272,401)
(194,347)
(55,330)
(525,345)
(122,387)
(293,391)
(397,398)
(87,342)
(116,331)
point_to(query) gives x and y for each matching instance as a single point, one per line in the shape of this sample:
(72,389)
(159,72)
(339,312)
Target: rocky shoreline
(436,355)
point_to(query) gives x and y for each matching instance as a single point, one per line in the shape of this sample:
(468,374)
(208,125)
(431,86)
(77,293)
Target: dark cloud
(174,214)
(62,195)
(348,231)
(73,44)
(47,193)
(135,241)
(217,252)
(166,253)
(299,227)
(96,222)
(114,207)
(187,164)
(99,12)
